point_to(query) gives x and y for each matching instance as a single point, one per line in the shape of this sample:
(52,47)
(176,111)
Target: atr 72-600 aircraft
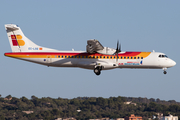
(96,57)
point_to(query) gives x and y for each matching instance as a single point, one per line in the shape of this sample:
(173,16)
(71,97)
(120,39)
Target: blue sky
(63,25)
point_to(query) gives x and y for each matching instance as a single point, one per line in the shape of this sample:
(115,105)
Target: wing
(93,46)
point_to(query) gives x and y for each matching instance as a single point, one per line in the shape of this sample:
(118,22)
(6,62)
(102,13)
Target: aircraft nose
(173,63)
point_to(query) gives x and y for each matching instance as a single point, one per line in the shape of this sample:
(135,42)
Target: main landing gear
(97,70)
(164,70)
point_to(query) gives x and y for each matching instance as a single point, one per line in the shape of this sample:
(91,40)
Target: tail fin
(19,42)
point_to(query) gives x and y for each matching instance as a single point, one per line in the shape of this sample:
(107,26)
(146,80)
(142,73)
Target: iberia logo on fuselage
(17,40)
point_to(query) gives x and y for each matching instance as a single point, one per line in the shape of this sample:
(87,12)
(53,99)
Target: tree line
(47,108)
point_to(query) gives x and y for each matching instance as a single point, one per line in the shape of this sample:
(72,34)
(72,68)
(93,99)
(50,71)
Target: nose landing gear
(164,70)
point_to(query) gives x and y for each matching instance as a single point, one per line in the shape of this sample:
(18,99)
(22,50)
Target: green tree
(174,108)
(2,117)
(9,96)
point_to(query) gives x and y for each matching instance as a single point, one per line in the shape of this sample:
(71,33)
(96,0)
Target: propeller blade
(117,46)
(117,50)
(120,48)
(117,57)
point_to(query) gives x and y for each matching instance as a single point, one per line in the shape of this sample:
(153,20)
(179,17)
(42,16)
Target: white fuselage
(90,61)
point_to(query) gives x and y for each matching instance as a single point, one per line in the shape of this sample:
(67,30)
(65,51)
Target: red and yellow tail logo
(17,40)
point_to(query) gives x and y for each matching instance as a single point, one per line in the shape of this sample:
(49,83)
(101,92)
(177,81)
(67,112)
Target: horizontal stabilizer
(11,27)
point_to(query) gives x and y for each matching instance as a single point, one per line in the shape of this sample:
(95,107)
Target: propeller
(118,49)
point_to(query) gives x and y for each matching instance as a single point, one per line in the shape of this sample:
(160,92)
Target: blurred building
(100,119)
(133,117)
(170,117)
(71,118)
(58,119)
(130,102)
(119,119)
(28,112)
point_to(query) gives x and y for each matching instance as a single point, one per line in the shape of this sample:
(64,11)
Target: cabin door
(49,59)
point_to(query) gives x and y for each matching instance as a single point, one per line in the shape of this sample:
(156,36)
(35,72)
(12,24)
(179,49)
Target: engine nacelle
(107,51)
(90,49)
(94,46)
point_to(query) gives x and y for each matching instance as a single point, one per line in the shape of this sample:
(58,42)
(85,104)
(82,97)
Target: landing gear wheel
(97,71)
(164,69)
(165,72)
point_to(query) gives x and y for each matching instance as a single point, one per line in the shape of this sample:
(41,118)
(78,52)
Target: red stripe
(62,53)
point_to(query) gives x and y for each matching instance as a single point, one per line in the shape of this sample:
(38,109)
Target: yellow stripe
(142,54)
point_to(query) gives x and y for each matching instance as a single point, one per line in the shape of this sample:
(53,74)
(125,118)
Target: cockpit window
(166,56)
(163,56)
